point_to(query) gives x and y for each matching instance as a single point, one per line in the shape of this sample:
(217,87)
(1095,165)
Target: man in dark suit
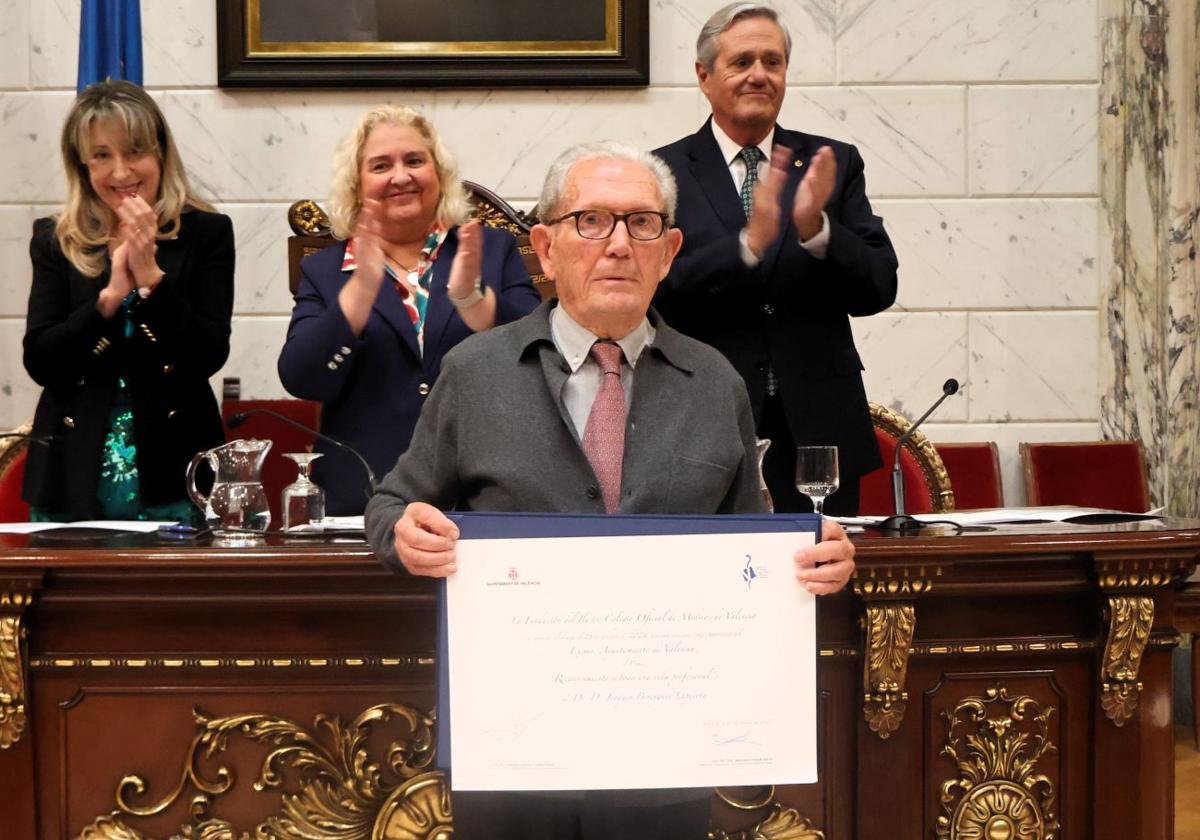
(780,247)
(517,419)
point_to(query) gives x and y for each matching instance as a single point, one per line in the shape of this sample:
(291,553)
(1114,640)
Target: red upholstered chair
(926,484)
(12,472)
(278,472)
(1099,473)
(974,470)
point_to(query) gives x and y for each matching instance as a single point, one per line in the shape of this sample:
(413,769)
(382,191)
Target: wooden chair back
(1098,473)
(13,508)
(926,484)
(974,470)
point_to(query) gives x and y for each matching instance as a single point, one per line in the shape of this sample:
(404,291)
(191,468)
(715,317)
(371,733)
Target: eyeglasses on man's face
(643,225)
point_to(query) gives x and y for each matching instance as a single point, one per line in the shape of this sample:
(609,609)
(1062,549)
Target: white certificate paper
(631,662)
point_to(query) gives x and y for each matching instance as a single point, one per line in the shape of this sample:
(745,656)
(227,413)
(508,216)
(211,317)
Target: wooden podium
(1006,684)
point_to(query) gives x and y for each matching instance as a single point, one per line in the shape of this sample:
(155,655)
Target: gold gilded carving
(1129,620)
(332,785)
(754,804)
(495,218)
(781,824)
(12,670)
(308,219)
(1142,573)
(895,581)
(228,661)
(997,795)
(889,628)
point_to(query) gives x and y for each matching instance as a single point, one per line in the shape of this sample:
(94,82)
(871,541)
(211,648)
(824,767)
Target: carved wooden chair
(974,470)
(1096,473)
(312,232)
(926,483)
(13,450)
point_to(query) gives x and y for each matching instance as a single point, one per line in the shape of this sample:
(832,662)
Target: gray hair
(556,179)
(727,16)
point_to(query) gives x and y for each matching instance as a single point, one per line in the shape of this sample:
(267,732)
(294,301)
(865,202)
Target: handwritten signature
(513,728)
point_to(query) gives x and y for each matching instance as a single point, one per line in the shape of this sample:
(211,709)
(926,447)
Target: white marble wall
(977,120)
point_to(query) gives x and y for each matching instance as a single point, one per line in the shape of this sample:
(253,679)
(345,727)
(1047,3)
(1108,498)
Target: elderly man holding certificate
(590,405)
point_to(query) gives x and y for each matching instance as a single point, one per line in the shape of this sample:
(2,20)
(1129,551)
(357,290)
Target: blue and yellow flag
(110,41)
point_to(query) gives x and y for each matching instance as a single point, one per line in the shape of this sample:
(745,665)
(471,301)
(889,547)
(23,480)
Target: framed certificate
(689,637)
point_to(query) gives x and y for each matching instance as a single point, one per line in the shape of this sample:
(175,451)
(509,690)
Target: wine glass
(303,501)
(817,473)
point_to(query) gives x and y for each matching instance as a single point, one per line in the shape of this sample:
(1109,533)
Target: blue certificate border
(495,526)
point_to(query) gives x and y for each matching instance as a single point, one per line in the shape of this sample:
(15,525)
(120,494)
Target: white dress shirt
(731,151)
(575,342)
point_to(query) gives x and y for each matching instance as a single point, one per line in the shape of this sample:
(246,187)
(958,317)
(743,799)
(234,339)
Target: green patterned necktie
(751,155)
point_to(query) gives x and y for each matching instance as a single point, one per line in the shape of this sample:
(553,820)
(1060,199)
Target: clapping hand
(813,193)
(358,295)
(763,225)
(137,232)
(468,261)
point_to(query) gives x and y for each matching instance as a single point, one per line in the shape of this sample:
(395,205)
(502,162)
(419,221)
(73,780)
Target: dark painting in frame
(433,43)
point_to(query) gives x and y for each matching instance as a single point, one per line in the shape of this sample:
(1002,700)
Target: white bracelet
(471,299)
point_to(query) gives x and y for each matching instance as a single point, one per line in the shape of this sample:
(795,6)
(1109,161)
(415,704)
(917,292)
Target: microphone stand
(901,522)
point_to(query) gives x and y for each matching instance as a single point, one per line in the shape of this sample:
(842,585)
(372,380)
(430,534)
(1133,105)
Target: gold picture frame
(448,43)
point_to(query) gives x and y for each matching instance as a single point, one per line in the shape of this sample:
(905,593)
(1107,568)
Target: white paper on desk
(96,524)
(631,662)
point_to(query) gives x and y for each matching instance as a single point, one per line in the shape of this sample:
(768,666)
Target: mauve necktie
(751,155)
(604,436)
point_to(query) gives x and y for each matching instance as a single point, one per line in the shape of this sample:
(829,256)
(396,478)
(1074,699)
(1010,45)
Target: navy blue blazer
(373,386)
(791,310)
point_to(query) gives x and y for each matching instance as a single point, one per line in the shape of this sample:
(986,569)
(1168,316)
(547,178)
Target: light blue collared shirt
(575,342)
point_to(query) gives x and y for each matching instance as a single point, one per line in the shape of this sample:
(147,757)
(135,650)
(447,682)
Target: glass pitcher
(237,503)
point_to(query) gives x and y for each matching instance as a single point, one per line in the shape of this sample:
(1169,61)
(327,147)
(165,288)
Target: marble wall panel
(179,44)
(1008,437)
(18,393)
(1034,366)
(911,138)
(966,40)
(907,358)
(534,127)
(1033,139)
(675,25)
(261,278)
(54,43)
(254,347)
(16,225)
(994,254)
(267,146)
(30,125)
(14,34)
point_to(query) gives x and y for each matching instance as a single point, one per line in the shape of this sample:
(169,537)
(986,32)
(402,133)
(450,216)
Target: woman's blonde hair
(86,222)
(345,198)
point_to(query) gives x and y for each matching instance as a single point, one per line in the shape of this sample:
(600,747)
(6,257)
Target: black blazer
(790,310)
(180,338)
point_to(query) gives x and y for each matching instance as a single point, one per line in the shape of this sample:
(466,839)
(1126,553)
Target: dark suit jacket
(373,386)
(180,338)
(791,310)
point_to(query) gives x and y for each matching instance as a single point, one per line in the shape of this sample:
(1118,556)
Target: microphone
(902,521)
(242,416)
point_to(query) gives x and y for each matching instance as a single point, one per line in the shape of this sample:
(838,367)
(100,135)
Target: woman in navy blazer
(375,314)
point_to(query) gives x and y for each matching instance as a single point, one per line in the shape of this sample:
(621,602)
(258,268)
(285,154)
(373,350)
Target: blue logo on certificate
(750,572)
